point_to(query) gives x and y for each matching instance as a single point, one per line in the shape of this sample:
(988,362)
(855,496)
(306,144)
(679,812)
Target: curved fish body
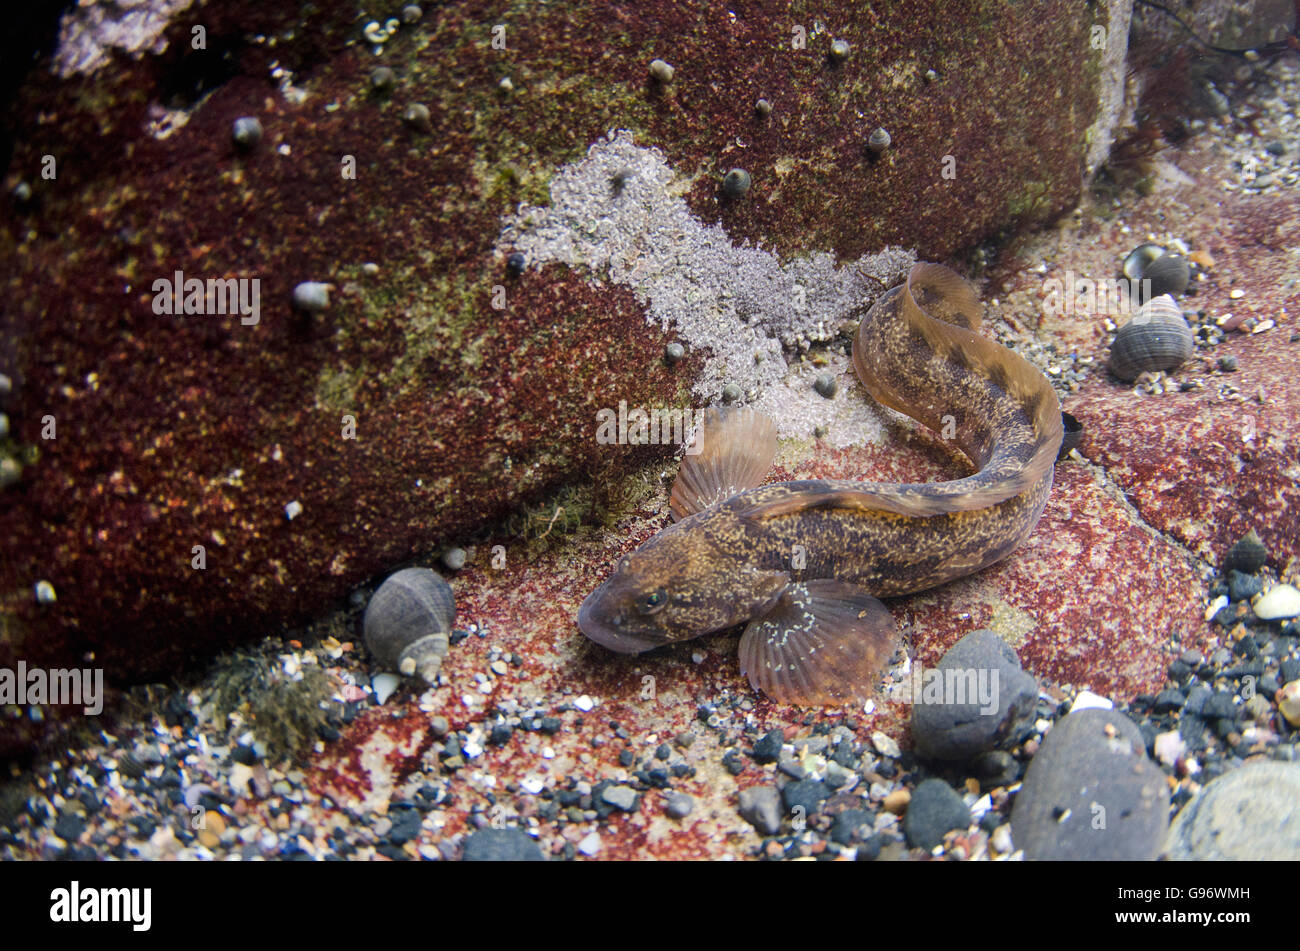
(803,563)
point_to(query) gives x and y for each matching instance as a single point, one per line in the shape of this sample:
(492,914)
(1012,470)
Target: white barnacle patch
(618,214)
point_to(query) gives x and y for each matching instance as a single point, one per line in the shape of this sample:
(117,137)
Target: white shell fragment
(312,296)
(293,510)
(1278,602)
(1087,700)
(45,593)
(384,685)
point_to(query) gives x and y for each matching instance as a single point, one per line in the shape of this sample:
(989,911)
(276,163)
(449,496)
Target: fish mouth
(605,634)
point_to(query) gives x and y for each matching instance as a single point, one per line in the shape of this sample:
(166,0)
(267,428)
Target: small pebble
(839,50)
(1278,603)
(455,558)
(382,78)
(292,510)
(760,806)
(247,132)
(505,845)
(311,296)
(1228,364)
(411,13)
(661,72)
(896,802)
(934,811)
(515,263)
(678,805)
(1288,701)
(621,797)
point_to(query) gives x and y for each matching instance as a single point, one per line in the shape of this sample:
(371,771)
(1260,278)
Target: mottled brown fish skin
(917,350)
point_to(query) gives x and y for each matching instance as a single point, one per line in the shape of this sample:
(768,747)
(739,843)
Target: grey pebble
(679,805)
(620,797)
(760,806)
(934,811)
(958,731)
(1088,796)
(501,845)
(247,132)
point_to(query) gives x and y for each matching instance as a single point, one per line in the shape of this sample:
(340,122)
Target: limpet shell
(408,622)
(1157,338)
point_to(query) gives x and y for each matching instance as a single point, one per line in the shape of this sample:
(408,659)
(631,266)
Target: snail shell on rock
(1157,338)
(408,622)
(1247,555)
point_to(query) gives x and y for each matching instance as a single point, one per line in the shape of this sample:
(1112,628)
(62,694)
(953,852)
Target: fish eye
(652,602)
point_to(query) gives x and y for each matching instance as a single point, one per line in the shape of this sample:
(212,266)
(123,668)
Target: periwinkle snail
(1167,272)
(1157,338)
(408,622)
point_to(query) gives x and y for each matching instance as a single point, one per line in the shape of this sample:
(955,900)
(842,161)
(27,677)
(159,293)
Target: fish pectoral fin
(733,451)
(823,643)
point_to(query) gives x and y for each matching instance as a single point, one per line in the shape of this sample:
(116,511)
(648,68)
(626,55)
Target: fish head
(678,585)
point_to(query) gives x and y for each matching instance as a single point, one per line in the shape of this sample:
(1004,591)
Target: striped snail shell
(408,622)
(1166,271)
(1157,338)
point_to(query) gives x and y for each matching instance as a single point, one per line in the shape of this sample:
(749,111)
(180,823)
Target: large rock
(1091,793)
(177,432)
(1250,814)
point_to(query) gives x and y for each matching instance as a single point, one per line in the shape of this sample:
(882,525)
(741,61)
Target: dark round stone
(768,748)
(406,825)
(805,794)
(1091,793)
(934,811)
(69,826)
(852,826)
(549,725)
(515,263)
(947,724)
(500,845)
(1242,587)
(244,754)
(1169,701)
